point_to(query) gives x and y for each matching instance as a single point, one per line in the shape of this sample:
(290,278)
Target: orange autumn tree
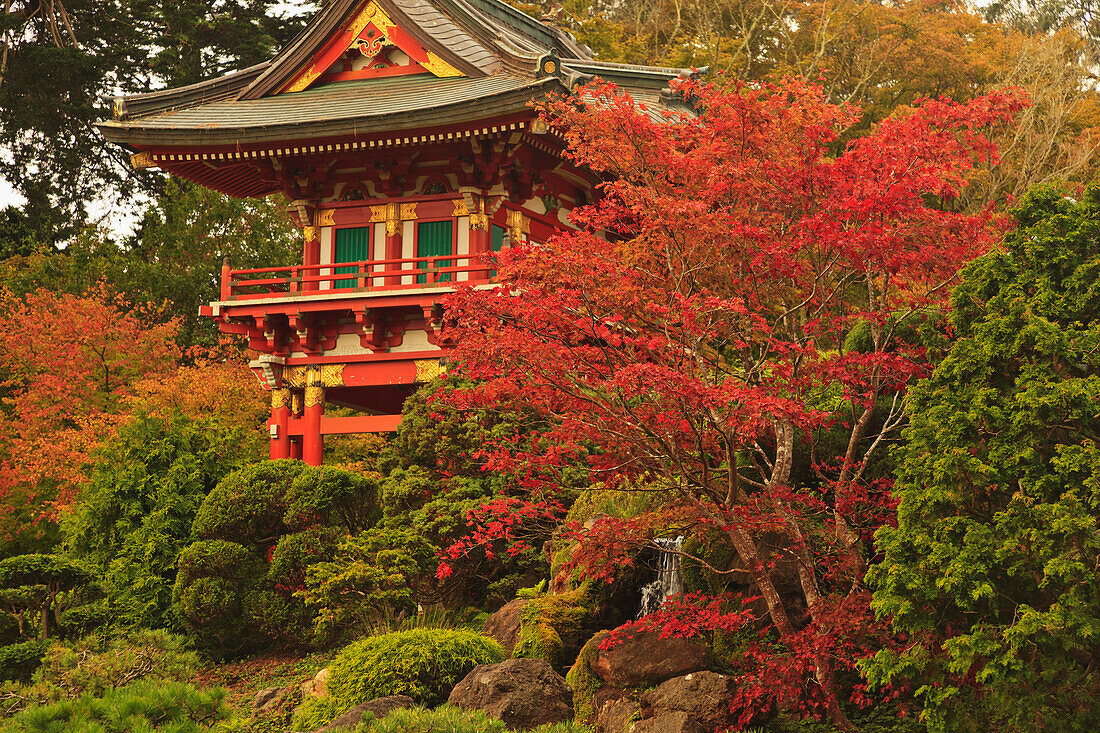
(66,363)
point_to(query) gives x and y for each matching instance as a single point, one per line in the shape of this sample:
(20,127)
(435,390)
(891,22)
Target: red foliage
(743,334)
(68,362)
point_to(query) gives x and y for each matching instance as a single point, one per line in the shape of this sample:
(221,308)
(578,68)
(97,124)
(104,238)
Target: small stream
(669,581)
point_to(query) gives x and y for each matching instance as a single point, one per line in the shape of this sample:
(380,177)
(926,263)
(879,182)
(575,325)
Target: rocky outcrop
(503,626)
(646,659)
(616,715)
(704,696)
(318,686)
(524,693)
(673,722)
(378,707)
(272,702)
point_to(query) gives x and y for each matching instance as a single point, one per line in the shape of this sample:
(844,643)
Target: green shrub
(421,663)
(316,712)
(334,496)
(374,576)
(214,594)
(248,505)
(446,719)
(134,514)
(295,553)
(137,708)
(424,664)
(19,661)
(90,665)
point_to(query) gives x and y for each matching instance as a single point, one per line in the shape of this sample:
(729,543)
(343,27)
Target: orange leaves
(68,361)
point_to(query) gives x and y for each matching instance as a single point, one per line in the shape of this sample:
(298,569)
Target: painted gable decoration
(370,45)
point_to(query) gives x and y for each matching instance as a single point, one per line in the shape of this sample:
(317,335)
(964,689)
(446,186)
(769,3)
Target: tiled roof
(365,106)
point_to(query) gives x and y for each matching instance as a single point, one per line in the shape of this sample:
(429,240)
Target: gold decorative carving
(295,403)
(280,398)
(294,376)
(429,369)
(322,375)
(549,67)
(310,233)
(408,211)
(325,218)
(142,160)
(332,375)
(518,225)
(315,395)
(439,67)
(460,208)
(377,213)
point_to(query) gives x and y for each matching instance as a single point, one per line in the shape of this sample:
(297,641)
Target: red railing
(372,275)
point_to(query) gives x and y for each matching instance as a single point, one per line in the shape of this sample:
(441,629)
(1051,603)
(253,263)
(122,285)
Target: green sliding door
(433,238)
(352,245)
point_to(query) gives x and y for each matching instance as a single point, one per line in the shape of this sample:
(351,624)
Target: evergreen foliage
(421,663)
(240,585)
(172,707)
(134,516)
(992,567)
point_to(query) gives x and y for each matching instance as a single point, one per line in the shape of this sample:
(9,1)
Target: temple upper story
(403,137)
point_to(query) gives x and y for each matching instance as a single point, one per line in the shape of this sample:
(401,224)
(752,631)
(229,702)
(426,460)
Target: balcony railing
(372,275)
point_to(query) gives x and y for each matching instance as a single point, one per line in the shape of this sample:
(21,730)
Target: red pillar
(296,411)
(311,255)
(313,444)
(280,414)
(480,240)
(393,241)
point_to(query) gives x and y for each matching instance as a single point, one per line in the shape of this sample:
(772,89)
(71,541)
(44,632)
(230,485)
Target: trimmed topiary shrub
(19,661)
(259,531)
(248,505)
(212,594)
(424,664)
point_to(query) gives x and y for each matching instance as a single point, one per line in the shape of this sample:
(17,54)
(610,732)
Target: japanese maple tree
(67,362)
(737,318)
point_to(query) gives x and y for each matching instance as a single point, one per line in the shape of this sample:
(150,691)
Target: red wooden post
(311,255)
(480,240)
(227,279)
(393,241)
(280,416)
(296,411)
(313,444)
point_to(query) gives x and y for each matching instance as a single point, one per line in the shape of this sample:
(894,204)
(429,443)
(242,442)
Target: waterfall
(669,581)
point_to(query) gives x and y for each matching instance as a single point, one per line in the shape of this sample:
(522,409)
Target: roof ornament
(549,65)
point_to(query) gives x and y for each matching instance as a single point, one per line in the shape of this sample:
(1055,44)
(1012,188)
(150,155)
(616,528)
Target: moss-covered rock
(554,627)
(716,550)
(584,682)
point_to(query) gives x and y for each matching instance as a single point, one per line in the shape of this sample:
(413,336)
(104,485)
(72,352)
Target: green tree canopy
(992,567)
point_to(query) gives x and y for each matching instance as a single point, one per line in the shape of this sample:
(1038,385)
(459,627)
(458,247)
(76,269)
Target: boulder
(674,722)
(646,659)
(318,686)
(705,696)
(379,707)
(271,701)
(524,693)
(615,715)
(504,624)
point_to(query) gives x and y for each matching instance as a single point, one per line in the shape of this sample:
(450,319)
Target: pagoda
(402,135)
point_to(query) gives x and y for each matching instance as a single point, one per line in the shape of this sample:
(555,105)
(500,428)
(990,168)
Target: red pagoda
(402,136)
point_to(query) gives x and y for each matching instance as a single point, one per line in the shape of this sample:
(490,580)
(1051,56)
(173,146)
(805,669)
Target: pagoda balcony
(400,275)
